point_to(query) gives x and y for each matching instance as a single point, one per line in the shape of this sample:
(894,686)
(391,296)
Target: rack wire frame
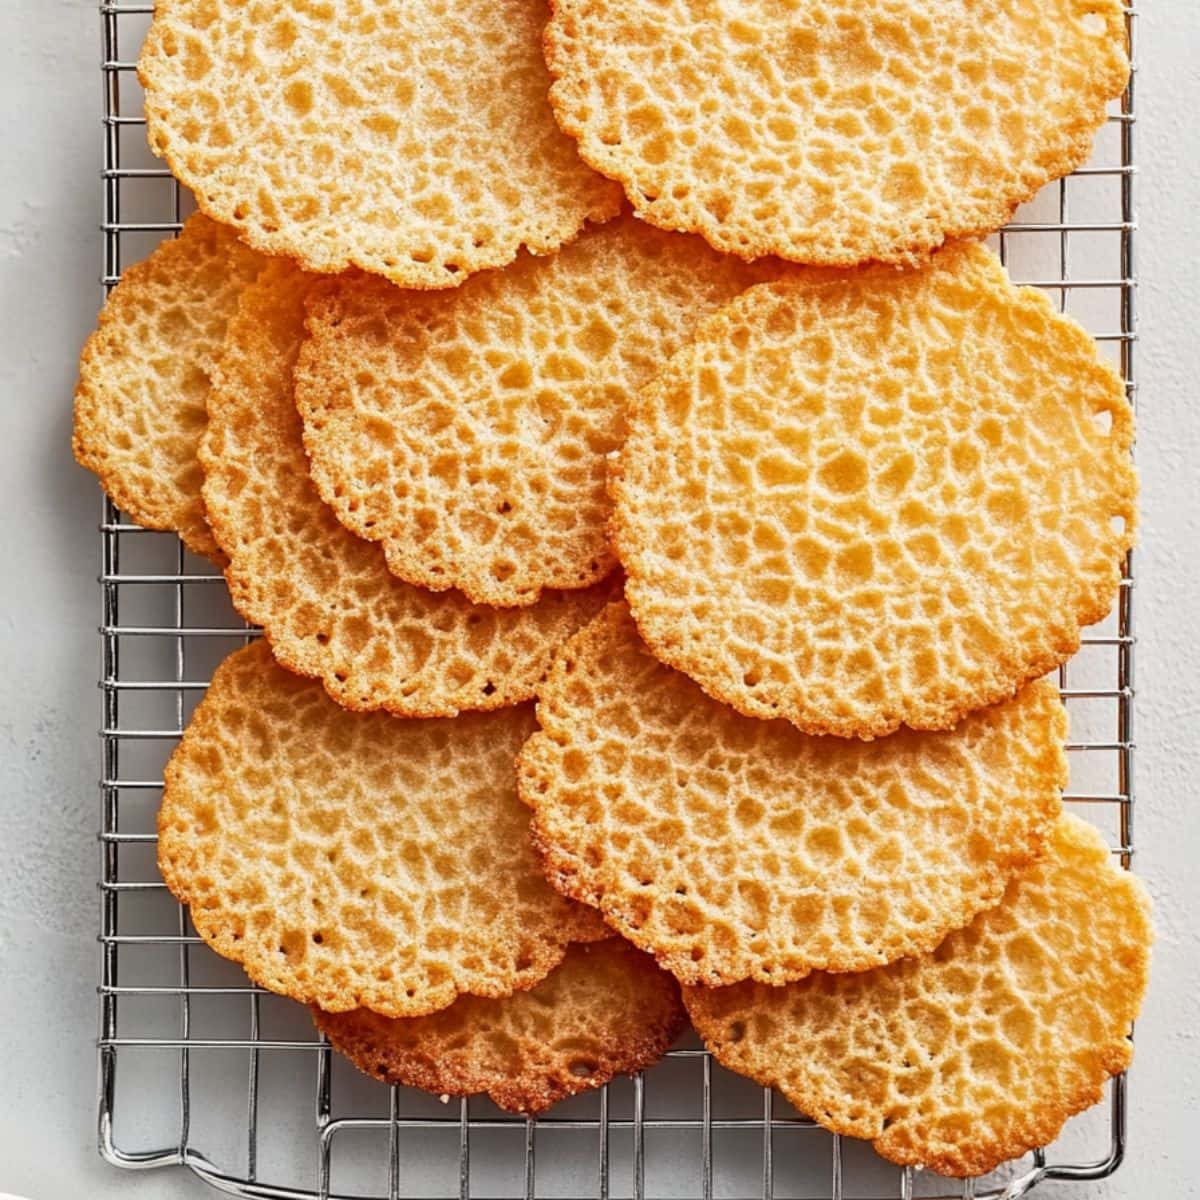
(174,681)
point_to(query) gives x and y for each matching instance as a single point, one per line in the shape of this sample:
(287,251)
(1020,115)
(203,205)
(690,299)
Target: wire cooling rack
(201,1069)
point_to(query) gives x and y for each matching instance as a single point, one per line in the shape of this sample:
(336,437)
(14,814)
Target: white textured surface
(49,251)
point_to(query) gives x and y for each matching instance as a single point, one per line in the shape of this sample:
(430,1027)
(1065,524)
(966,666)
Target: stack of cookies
(661,512)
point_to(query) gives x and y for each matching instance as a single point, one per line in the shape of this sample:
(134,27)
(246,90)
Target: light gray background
(49,706)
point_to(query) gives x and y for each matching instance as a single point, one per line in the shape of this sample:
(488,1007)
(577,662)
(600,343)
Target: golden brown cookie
(413,140)
(838,132)
(605,1010)
(732,848)
(325,598)
(468,431)
(976,1053)
(144,377)
(358,860)
(877,497)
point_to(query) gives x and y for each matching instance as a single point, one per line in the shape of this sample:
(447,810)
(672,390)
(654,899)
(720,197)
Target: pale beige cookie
(732,848)
(877,497)
(358,860)
(144,376)
(325,598)
(838,132)
(413,140)
(605,1010)
(467,431)
(964,1058)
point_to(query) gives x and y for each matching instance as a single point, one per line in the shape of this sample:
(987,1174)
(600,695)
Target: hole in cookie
(489,688)
(1103,420)
(737,1031)
(322,639)
(504,507)
(583,1068)
(1092,23)
(718,208)
(751,679)
(298,96)
(1118,523)
(318,939)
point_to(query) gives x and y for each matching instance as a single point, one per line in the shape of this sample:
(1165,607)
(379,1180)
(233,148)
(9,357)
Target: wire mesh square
(200,1068)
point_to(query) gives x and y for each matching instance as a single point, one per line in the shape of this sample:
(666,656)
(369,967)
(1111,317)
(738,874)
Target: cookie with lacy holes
(977,1053)
(413,140)
(733,848)
(467,431)
(325,598)
(605,1010)
(875,498)
(358,860)
(145,372)
(838,132)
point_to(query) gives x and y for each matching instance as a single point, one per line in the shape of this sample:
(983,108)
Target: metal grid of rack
(200,1068)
